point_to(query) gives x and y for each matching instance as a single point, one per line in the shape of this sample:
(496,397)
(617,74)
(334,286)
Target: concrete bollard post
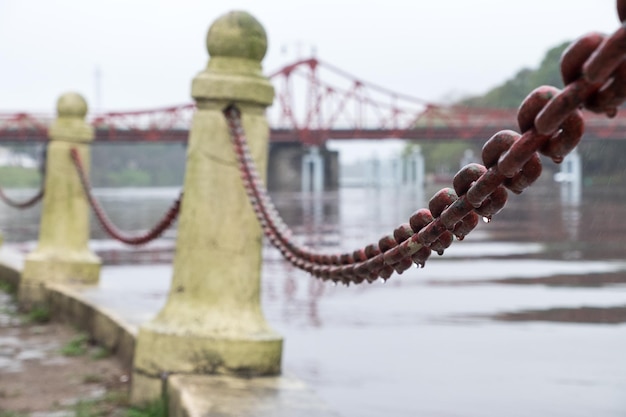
(212,322)
(62,254)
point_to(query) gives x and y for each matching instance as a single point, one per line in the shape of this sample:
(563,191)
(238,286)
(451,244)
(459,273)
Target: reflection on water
(524,317)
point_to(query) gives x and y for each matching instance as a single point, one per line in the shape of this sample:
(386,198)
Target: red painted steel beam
(315,101)
(616,131)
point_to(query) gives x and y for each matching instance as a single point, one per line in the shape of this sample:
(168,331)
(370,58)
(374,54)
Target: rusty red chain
(21,204)
(621,10)
(593,69)
(167,220)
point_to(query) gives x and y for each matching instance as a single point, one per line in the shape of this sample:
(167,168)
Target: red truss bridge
(315,102)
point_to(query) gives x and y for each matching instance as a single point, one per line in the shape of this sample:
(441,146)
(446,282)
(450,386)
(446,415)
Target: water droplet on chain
(487,219)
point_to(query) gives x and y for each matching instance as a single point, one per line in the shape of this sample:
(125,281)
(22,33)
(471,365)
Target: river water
(525,317)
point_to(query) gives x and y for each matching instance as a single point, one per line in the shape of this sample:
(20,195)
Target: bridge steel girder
(315,102)
(312,137)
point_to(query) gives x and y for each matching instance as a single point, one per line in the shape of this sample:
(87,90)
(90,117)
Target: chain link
(22,204)
(166,222)
(551,123)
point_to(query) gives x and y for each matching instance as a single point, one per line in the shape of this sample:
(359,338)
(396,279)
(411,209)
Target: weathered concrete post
(212,321)
(62,253)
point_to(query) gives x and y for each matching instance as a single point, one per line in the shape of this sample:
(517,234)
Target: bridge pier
(294,167)
(312,170)
(62,254)
(414,168)
(405,170)
(570,177)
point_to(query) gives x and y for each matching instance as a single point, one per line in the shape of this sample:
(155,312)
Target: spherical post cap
(71,105)
(237,34)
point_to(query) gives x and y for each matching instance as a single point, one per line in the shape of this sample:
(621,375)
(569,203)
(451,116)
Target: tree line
(602,159)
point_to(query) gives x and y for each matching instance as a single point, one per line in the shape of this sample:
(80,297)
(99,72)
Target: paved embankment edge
(188,395)
(226,396)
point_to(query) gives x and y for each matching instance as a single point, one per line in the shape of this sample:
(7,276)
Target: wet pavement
(37,379)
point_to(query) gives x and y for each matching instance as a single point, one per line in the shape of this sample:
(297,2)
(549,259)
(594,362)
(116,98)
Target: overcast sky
(148,51)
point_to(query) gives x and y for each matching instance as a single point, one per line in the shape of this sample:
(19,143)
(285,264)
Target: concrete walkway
(127,297)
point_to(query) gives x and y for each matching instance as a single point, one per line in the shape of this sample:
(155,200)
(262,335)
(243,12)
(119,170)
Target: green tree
(602,160)
(18,177)
(137,164)
(513,91)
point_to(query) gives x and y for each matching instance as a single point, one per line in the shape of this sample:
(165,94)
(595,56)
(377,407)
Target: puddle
(62,413)
(32,354)
(9,365)
(6,341)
